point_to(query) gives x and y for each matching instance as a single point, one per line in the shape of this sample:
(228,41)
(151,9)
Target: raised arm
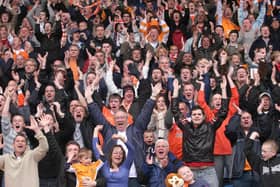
(254,160)
(6,116)
(97,150)
(202,103)
(144,117)
(131,151)
(41,150)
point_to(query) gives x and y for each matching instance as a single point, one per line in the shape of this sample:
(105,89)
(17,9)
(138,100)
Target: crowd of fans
(124,92)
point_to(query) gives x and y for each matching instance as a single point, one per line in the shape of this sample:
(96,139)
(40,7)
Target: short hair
(17,114)
(157,68)
(197,107)
(162,141)
(84,152)
(217,26)
(72,142)
(273,144)
(115,96)
(22,135)
(148,131)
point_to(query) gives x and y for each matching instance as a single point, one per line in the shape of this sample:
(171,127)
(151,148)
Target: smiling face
(49,93)
(268,150)
(129,95)
(79,114)
(117,156)
(149,138)
(242,75)
(121,120)
(188,91)
(185,75)
(160,104)
(217,101)
(18,123)
(197,116)
(20,145)
(161,149)
(85,160)
(186,173)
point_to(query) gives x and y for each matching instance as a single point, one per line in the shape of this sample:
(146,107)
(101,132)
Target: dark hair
(72,142)
(111,153)
(16,114)
(157,68)
(22,135)
(234,32)
(197,107)
(115,96)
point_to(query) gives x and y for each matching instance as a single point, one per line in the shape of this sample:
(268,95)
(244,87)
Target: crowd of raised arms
(139,93)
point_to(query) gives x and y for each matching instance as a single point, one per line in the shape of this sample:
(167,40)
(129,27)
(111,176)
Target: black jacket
(198,143)
(268,170)
(237,137)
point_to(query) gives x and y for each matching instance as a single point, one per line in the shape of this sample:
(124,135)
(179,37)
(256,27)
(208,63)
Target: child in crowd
(85,169)
(186,173)
(268,167)
(149,140)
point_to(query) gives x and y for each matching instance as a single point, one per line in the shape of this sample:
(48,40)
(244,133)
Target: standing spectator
(134,132)
(239,128)
(198,138)
(116,170)
(267,166)
(21,167)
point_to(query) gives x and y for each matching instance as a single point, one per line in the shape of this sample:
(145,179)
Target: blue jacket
(157,174)
(134,132)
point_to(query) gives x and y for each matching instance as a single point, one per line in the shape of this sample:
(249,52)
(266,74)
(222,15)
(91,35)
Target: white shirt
(132,171)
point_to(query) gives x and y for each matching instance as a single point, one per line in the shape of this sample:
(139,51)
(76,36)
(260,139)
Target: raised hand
(97,129)
(33,125)
(239,111)
(58,109)
(118,137)
(42,60)
(149,159)
(156,90)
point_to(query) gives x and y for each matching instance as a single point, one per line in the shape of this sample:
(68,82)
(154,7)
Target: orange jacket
(222,144)
(175,140)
